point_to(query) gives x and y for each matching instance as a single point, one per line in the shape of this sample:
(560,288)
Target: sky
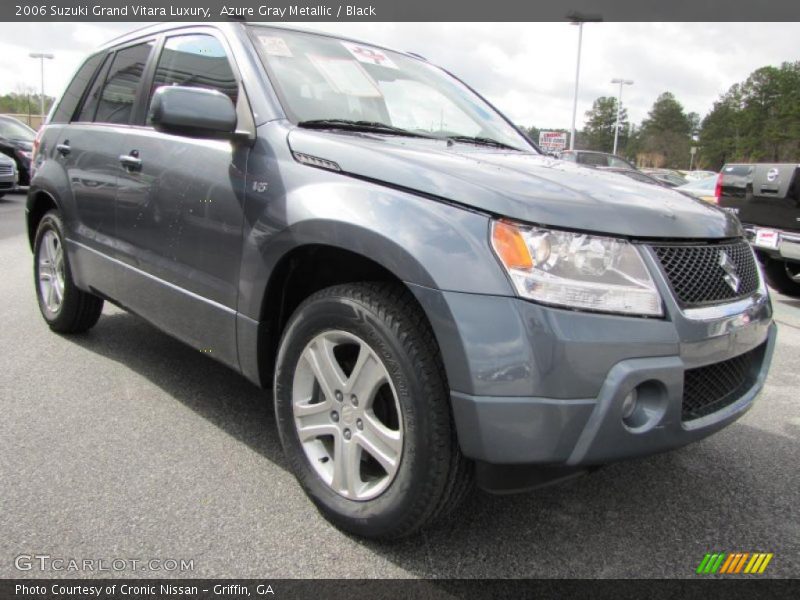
(526,69)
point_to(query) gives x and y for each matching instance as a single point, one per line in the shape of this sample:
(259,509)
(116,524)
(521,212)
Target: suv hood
(527,187)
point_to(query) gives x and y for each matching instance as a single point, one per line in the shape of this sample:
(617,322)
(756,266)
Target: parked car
(595,159)
(704,189)
(16,141)
(667,177)
(432,301)
(766,198)
(8,175)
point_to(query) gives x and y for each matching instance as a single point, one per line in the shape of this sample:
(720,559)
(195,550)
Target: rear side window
(738,170)
(92,98)
(195,61)
(72,96)
(119,92)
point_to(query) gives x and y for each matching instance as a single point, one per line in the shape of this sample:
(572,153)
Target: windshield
(16,130)
(322,78)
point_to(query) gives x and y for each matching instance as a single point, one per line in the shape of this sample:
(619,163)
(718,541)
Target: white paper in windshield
(371,56)
(275,46)
(345,76)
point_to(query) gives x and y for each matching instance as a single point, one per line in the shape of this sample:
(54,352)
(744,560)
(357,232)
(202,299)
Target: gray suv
(433,302)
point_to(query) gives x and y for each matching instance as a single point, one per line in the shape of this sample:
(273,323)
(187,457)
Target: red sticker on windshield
(371,56)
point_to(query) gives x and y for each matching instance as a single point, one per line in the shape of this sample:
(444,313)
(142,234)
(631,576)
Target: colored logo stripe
(734,563)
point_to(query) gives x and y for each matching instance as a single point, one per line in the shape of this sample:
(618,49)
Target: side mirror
(193,112)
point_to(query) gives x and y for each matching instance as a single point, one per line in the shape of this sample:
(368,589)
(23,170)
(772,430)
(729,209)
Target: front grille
(713,387)
(697,276)
(6,169)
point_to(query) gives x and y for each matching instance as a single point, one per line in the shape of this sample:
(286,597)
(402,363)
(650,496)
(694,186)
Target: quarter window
(72,96)
(119,92)
(195,61)
(93,97)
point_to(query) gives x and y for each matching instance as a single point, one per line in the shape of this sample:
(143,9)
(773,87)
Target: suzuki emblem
(730,277)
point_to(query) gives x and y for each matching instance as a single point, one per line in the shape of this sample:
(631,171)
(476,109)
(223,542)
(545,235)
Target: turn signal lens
(510,246)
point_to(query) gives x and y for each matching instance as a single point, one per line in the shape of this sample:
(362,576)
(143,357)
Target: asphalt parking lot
(126,443)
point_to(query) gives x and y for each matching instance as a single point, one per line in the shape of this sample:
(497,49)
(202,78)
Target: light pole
(621,82)
(578,19)
(41,56)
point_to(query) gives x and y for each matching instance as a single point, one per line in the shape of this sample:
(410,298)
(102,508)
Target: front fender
(421,241)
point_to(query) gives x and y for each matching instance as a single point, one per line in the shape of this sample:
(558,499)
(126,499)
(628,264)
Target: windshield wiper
(367,126)
(483,141)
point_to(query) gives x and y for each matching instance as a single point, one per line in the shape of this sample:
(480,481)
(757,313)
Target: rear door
(179,207)
(89,148)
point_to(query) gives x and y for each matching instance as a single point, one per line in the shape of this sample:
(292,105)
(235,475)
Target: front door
(179,211)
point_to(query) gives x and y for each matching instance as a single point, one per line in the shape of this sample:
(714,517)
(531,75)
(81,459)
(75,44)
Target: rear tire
(65,308)
(380,325)
(778,277)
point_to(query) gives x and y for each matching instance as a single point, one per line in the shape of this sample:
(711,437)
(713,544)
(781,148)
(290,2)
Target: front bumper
(517,430)
(538,385)
(784,245)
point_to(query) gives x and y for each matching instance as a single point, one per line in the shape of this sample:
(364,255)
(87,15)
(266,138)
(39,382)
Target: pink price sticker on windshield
(371,56)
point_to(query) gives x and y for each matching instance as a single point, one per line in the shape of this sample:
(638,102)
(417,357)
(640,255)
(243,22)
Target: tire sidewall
(52,222)
(382,513)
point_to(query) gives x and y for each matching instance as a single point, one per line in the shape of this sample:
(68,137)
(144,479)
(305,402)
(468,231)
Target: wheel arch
(302,271)
(38,204)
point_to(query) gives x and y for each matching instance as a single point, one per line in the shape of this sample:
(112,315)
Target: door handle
(131,161)
(63,149)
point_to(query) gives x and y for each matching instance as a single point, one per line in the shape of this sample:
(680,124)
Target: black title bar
(401,10)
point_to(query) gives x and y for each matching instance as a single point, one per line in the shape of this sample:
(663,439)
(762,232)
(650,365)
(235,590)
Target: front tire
(783,277)
(363,413)
(66,308)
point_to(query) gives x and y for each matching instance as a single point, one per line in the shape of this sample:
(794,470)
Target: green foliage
(757,120)
(601,121)
(667,132)
(23,103)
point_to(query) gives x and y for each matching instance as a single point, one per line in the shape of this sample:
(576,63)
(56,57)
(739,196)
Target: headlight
(576,270)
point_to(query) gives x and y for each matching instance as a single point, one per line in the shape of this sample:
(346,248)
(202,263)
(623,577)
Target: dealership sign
(552,141)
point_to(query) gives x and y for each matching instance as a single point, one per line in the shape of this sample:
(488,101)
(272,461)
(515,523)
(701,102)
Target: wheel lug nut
(347,434)
(354,400)
(360,424)
(338,395)
(335,417)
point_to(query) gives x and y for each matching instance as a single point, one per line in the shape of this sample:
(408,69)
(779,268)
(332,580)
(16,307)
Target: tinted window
(72,96)
(598,160)
(618,162)
(119,92)
(92,98)
(196,61)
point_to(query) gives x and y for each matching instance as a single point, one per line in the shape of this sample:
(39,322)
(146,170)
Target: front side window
(122,83)
(196,61)
(323,78)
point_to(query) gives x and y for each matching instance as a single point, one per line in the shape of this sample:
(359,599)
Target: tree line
(24,103)
(757,120)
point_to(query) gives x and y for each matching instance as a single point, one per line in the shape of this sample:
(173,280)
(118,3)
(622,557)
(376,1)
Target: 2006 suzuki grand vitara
(432,299)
